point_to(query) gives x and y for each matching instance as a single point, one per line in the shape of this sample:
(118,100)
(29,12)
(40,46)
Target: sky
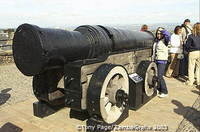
(63,13)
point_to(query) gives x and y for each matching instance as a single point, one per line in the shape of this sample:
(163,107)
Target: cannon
(99,72)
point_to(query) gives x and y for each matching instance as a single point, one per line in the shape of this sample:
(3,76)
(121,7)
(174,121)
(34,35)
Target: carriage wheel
(107,94)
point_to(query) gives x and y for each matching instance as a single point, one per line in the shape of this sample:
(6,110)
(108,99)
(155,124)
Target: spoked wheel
(148,70)
(107,95)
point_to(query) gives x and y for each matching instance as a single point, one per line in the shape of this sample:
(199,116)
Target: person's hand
(166,35)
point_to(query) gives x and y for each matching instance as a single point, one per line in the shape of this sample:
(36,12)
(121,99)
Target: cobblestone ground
(14,86)
(191,121)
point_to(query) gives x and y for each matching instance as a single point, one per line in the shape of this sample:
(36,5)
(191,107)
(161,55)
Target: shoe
(168,76)
(198,87)
(183,77)
(162,95)
(158,92)
(175,76)
(188,83)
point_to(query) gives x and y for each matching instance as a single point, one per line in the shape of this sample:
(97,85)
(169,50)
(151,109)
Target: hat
(187,20)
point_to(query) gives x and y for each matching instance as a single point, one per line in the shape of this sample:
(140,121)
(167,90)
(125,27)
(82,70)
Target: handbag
(180,56)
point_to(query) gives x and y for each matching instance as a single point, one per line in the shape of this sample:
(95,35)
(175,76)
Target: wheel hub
(121,98)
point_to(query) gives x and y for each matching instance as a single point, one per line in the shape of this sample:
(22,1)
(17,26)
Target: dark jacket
(192,43)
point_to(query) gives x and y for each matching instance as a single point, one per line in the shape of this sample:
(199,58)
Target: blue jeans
(183,67)
(162,88)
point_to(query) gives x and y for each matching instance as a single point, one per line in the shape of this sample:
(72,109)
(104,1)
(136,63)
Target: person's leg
(183,66)
(161,82)
(198,68)
(171,66)
(186,64)
(176,66)
(191,68)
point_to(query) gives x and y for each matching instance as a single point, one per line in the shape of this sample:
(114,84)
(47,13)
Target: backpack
(186,29)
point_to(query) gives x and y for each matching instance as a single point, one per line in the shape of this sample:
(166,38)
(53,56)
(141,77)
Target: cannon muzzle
(36,49)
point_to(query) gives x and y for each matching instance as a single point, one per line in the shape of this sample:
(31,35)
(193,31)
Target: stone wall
(6,57)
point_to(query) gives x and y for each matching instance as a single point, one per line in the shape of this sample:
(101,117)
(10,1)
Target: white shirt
(176,44)
(160,51)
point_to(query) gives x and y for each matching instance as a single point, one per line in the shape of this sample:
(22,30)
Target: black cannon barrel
(127,39)
(36,49)
(100,42)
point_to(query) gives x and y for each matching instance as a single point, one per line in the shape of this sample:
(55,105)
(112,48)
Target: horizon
(133,26)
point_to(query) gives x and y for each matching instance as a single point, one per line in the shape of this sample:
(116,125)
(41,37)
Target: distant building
(6,36)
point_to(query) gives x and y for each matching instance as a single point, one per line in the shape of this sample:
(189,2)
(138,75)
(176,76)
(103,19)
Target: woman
(193,47)
(160,56)
(176,50)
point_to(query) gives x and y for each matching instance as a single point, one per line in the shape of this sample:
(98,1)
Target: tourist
(176,50)
(186,31)
(144,28)
(160,56)
(193,47)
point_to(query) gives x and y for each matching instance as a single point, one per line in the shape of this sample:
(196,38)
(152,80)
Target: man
(144,28)
(186,31)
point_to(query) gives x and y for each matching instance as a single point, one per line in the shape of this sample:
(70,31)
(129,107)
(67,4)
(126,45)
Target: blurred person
(175,51)
(186,31)
(144,28)
(160,56)
(193,47)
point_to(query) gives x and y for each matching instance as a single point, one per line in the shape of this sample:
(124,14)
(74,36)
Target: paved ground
(179,112)
(14,86)
(191,121)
